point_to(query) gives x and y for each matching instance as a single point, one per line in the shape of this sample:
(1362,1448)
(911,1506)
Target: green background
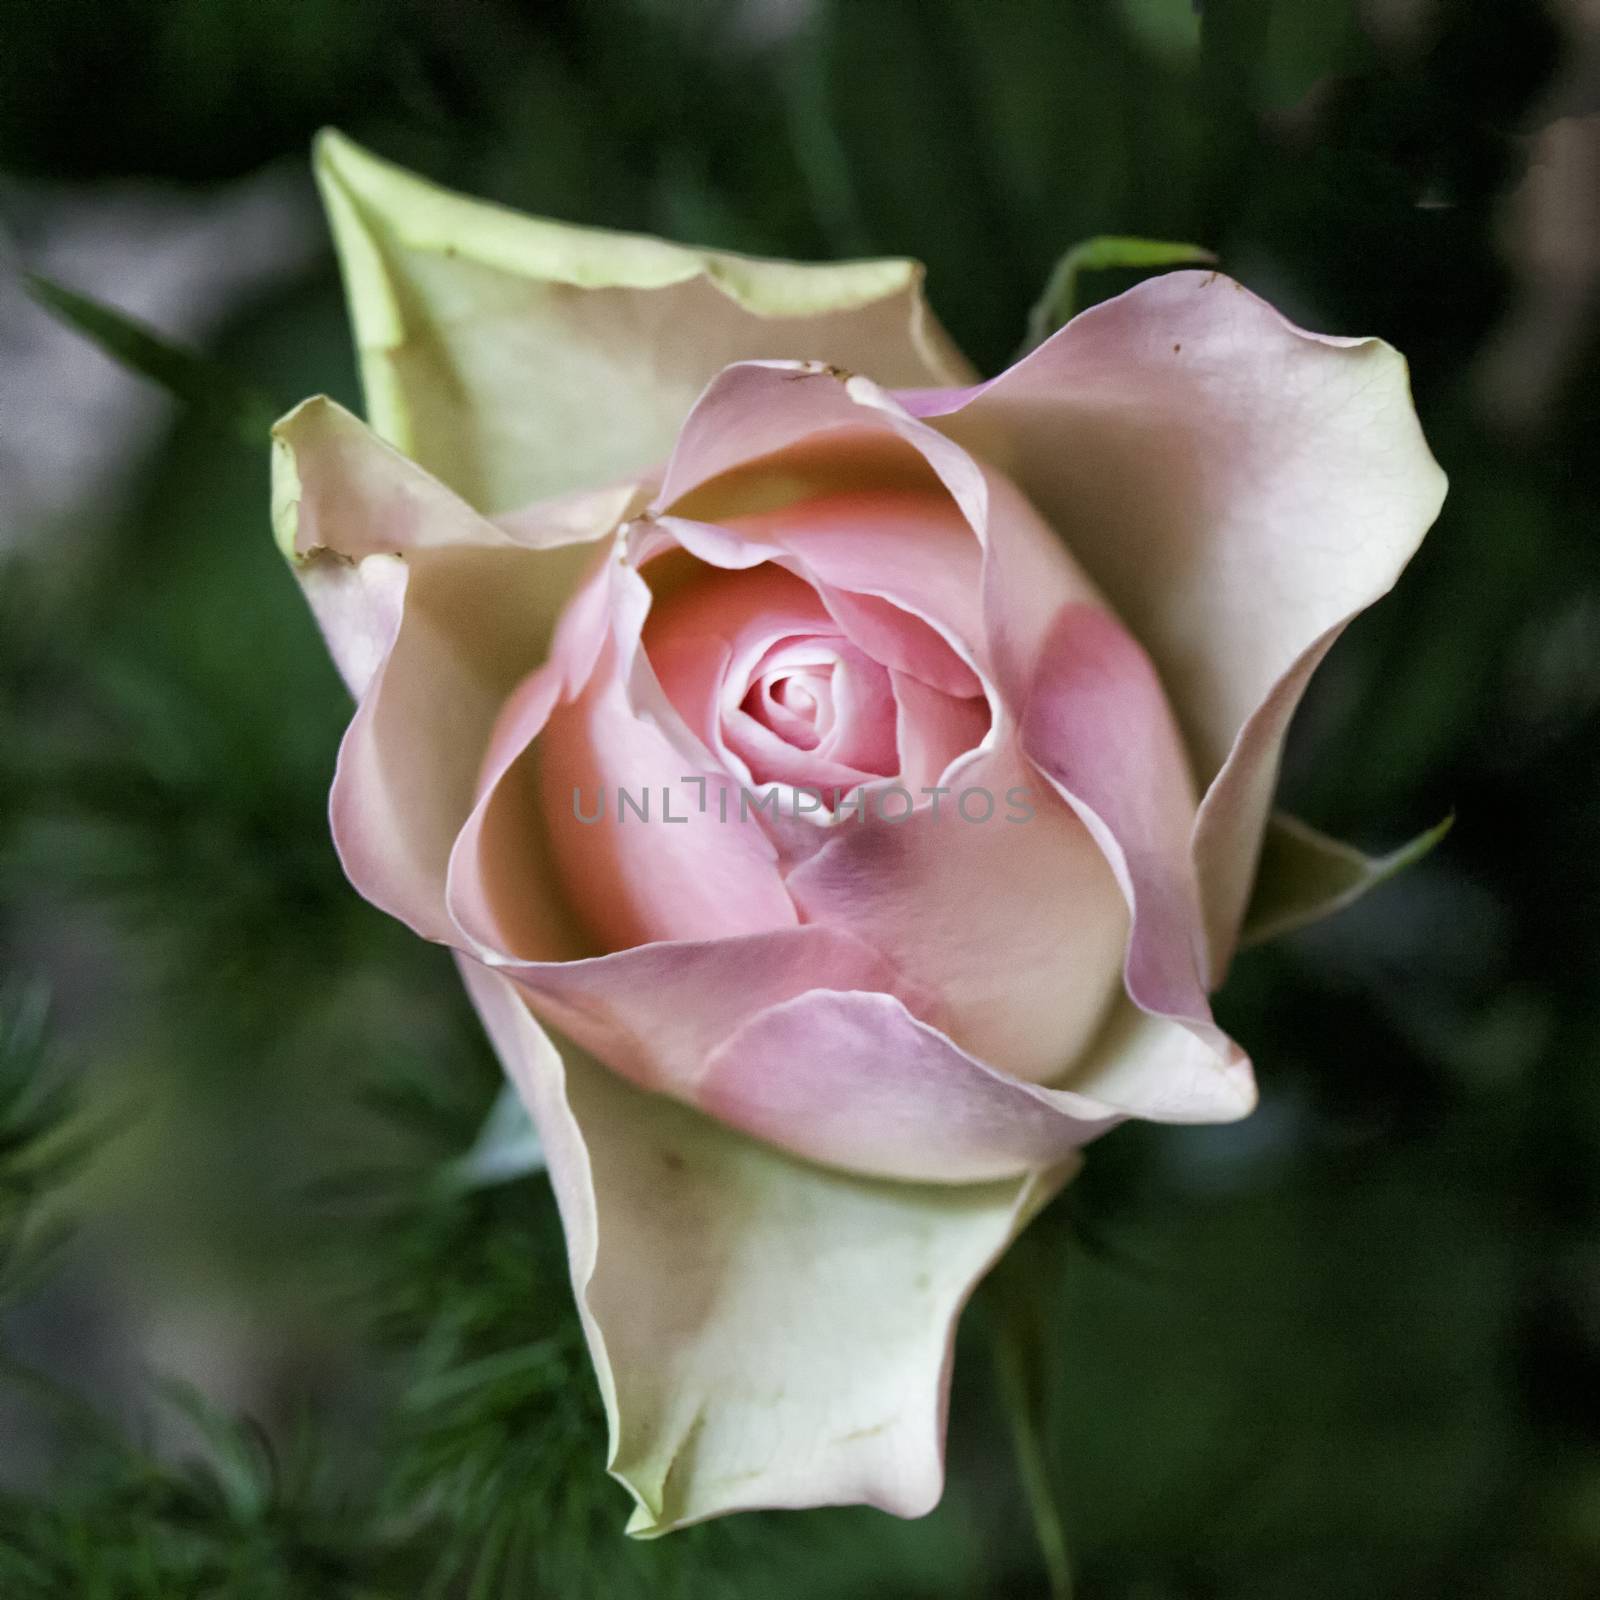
(1350,1347)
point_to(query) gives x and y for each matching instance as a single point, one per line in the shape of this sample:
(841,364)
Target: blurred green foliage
(1351,1346)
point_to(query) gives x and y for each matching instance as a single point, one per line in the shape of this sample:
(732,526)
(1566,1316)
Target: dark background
(1349,1347)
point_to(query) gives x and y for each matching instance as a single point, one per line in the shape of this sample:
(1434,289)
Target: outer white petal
(766,1333)
(519,358)
(433,614)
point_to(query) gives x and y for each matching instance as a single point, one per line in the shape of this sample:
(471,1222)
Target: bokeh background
(255,1340)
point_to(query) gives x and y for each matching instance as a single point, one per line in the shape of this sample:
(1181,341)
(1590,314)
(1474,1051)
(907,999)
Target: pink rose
(861,773)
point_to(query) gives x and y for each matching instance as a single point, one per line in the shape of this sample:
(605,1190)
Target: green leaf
(220,396)
(41,1144)
(236,1458)
(1305,876)
(1104,253)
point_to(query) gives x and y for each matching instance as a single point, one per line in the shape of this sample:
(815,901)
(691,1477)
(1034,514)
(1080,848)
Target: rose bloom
(842,782)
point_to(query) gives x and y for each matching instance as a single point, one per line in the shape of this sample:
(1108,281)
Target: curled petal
(1098,726)
(856,1081)
(1152,1067)
(434,615)
(1005,911)
(1004,589)
(1239,489)
(657,1012)
(674,872)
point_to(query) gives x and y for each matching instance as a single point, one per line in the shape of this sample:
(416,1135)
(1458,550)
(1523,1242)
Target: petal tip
(1238,1093)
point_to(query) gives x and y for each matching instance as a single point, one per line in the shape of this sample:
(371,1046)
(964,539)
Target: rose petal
(504,893)
(434,615)
(679,873)
(911,548)
(1016,926)
(861,733)
(715,633)
(1023,573)
(766,1333)
(656,1012)
(854,1080)
(407,768)
(338,487)
(1148,1066)
(902,641)
(1099,727)
(518,358)
(934,730)
(1239,489)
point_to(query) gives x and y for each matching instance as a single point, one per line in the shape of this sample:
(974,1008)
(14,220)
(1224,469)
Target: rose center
(793,695)
(789,684)
(795,703)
